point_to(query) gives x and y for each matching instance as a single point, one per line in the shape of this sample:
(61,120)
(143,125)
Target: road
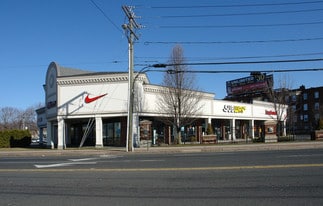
(286,177)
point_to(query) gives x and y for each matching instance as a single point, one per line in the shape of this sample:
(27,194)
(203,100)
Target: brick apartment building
(305,104)
(305,109)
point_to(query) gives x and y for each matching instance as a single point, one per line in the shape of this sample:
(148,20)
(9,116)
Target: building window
(317,106)
(305,96)
(301,118)
(305,107)
(294,98)
(111,134)
(305,118)
(316,95)
(317,117)
(294,108)
(287,99)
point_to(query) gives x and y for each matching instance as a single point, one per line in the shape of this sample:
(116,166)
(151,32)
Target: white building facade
(91,108)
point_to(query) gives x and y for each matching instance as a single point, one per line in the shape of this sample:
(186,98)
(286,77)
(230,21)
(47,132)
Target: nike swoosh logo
(92,99)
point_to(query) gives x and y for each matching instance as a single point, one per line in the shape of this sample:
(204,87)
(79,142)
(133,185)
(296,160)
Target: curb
(20,152)
(233,148)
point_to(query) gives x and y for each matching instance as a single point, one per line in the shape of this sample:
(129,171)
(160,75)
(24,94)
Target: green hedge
(15,138)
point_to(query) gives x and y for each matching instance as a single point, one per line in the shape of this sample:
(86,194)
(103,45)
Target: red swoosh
(89,100)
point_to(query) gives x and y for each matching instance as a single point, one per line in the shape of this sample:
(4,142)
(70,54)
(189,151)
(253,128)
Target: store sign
(270,112)
(233,109)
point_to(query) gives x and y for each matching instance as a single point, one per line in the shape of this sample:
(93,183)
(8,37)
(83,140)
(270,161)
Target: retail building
(91,108)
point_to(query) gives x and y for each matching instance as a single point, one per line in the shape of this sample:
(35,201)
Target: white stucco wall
(71,100)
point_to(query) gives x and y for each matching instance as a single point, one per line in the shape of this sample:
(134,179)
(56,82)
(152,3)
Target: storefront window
(111,133)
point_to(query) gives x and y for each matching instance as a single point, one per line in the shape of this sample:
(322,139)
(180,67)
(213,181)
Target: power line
(241,71)
(106,16)
(237,57)
(238,26)
(236,63)
(240,14)
(233,42)
(236,5)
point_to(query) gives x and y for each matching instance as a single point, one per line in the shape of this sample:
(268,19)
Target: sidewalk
(234,147)
(26,152)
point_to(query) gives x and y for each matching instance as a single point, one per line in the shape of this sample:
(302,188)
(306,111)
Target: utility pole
(132,36)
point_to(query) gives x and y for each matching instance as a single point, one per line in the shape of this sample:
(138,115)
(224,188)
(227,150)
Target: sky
(87,34)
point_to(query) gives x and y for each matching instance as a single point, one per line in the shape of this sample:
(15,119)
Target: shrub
(285,138)
(15,138)
(193,139)
(4,139)
(320,124)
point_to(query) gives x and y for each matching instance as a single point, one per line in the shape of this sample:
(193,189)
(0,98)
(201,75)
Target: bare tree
(28,119)
(179,101)
(13,118)
(9,118)
(281,100)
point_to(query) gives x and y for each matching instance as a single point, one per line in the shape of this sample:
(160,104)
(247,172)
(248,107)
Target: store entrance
(78,131)
(112,133)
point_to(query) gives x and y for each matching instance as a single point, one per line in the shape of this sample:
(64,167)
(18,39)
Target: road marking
(303,155)
(84,159)
(246,167)
(110,156)
(64,164)
(151,160)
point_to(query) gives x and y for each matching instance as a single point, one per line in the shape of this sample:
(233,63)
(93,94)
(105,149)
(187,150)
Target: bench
(209,139)
(319,134)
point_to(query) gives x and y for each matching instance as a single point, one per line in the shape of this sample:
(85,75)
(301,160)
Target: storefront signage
(234,109)
(270,112)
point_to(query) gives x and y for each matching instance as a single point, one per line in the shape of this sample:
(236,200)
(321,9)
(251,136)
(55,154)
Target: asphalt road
(285,177)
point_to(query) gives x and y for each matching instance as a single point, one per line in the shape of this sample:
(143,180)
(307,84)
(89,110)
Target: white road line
(151,160)
(84,159)
(64,164)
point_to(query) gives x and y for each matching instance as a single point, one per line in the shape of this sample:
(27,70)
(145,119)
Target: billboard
(251,84)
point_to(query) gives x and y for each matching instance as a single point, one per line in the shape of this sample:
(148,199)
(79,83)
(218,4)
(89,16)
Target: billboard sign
(251,84)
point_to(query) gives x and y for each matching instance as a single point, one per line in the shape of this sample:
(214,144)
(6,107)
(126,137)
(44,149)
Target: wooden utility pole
(130,28)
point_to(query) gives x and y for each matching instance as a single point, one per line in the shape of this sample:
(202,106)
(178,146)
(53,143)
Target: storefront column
(252,129)
(98,132)
(233,129)
(50,136)
(41,135)
(61,133)
(136,131)
(284,129)
(207,121)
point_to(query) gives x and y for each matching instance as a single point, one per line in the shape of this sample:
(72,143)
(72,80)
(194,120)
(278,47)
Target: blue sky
(75,33)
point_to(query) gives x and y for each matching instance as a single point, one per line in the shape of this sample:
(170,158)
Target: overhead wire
(106,16)
(233,42)
(237,57)
(239,14)
(162,65)
(236,5)
(170,71)
(237,26)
